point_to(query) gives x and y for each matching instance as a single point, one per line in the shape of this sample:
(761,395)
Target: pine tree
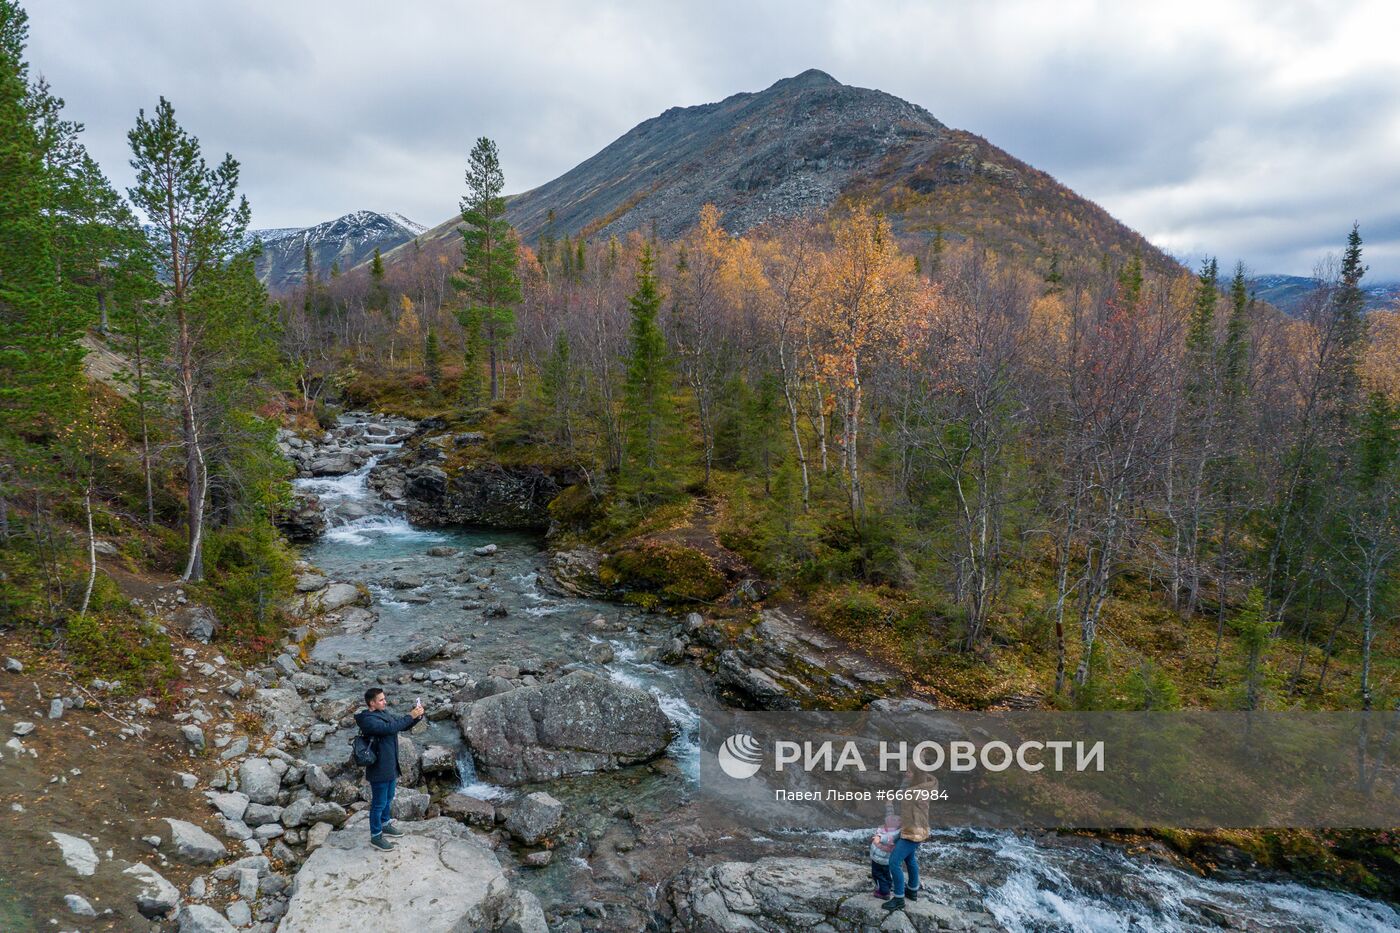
(488,277)
(647,409)
(199,220)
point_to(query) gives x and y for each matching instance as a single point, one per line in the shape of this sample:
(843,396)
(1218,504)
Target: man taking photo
(382,729)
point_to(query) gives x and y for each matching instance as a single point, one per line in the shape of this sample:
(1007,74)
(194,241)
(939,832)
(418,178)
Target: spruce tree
(378,293)
(432,358)
(557,391)
(488,277)
(40,358)
(647,408)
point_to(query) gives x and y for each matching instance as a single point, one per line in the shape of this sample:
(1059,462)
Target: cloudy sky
(1256,131)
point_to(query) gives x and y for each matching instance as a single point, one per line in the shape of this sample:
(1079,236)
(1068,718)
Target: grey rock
(240,914)
(771,893)
(56,709)
(409,806)
(303,682)
(439,878)
(193,844)
(573,725)
(79,905)
(198,918)
(539,859)
(197,622)
(194,736)
(470,810)
(443,551)
(286,665)
(77,853)
(308,810)
(155,897)
(13,666)
(311,583)
(317,835)
(534,817)
(423,650)
(340,595)
(258,780)
(438,761)
(259,814)
(238,746)
(486,550)
(410,761)
(232,804)
(23,728)
(317,781)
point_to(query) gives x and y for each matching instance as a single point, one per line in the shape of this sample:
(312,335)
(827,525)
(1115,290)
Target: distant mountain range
(1289,293)
(346,241)
(799,147)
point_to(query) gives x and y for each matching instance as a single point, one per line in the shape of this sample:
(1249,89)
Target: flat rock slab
(439,879)
(77,853)
(782,894)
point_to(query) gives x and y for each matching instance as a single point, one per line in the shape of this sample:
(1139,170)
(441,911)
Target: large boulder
(486,495)
(775,895)
(574,725)
(440,878)
(303,521)
(334,464)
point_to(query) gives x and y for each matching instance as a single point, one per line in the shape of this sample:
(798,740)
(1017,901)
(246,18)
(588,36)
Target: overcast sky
(1254,131)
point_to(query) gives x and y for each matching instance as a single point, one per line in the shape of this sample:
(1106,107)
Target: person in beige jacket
(914,830)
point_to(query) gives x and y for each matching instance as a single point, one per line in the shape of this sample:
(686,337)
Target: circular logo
(740,756)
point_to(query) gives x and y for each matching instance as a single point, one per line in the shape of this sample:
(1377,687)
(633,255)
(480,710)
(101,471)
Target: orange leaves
(1380,367)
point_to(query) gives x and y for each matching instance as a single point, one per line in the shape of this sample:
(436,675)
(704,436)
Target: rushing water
(1030,887)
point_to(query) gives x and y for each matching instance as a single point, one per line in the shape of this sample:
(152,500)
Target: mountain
(798,148)
(348,240)
(1289,293)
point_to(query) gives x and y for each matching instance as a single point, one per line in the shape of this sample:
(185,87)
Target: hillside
(800,146)
(346,241)
(1289,293)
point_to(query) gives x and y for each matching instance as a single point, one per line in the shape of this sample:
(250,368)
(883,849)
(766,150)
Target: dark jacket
(383,729)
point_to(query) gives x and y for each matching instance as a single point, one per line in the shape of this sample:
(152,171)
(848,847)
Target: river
(1031,884)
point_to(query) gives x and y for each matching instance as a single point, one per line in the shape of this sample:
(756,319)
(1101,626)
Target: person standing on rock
(916,794)
(382,728)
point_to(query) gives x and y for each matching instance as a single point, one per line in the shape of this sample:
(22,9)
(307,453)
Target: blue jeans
(905,853)
(381,798)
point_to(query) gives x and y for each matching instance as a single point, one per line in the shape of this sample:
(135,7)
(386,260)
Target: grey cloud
(1209,127)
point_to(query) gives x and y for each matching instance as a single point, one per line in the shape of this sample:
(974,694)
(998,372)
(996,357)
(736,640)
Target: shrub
(673,573)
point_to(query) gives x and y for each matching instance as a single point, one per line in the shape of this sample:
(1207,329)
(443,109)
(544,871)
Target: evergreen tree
(40,323)
(471,391)
(199,220)
(1236,349)
(1255,629)
(1200,329)
(432,358)
(647,408)
(1350,311)
(488,277)
(557,391)
(378,292)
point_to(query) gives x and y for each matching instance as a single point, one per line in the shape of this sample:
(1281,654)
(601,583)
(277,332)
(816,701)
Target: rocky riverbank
(552,786)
